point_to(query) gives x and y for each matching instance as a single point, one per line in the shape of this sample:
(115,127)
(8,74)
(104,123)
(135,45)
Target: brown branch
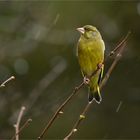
(119,45)
(59,110)
(120,49)
(18,122)
(48,125)
(75,127)
(6,81)
(22,127)
(117,58)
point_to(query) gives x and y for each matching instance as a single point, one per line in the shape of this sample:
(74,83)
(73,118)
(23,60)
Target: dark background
(38,46)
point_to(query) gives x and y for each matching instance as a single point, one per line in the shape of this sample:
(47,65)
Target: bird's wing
(103,44)
(101,74)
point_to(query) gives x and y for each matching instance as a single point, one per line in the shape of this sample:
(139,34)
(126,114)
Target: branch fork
(118,52)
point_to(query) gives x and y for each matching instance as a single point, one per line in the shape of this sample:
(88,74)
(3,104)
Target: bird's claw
(100,65)
(86,80)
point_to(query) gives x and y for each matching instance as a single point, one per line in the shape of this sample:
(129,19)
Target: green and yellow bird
(90,52)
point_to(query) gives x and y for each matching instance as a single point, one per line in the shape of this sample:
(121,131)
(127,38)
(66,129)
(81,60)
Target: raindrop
(118,108)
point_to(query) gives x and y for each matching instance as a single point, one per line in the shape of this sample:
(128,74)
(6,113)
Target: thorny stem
(120,49)
(22,127)
(78,88)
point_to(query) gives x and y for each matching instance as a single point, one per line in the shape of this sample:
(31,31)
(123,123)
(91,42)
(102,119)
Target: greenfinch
(90,52)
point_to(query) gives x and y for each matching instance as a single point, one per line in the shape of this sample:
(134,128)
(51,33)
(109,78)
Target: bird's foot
(86,80)
(100,65)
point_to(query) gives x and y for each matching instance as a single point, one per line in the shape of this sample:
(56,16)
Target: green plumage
(90,51)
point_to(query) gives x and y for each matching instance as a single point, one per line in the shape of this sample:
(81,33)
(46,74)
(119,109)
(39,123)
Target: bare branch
(119,49)
(6,81)
(119,45)
(18,122)
(22,127)
(75,91)
(117,58)
(59,110)
(81,117)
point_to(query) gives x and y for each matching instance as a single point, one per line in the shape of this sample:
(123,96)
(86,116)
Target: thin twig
(119,45)
(59,110)
(82,116)
(18,122)
(6,81)
(103,82)
(22,127)
(72,95)
(117,58)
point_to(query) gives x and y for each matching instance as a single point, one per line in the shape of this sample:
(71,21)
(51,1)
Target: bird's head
(89,32)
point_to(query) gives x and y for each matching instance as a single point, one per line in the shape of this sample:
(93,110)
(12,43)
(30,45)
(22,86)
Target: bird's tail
(95,95)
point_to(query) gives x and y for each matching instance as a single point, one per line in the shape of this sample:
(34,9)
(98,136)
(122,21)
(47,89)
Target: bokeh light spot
(138,8)
(21,66)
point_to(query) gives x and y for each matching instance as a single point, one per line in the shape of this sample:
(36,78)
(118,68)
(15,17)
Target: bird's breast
(90,54)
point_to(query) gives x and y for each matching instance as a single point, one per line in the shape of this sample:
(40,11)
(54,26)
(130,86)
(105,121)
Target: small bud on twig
(74,130)
(61,112)
(82,117)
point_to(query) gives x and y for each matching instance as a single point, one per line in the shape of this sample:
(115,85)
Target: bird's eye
(87,29)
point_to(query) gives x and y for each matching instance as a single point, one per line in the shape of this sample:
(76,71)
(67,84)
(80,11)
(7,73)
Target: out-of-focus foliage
(38,45)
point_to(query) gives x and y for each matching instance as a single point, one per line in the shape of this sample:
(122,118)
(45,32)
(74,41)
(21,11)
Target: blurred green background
(38,46)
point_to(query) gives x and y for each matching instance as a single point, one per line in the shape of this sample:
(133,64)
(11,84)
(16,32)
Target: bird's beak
(81,30)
